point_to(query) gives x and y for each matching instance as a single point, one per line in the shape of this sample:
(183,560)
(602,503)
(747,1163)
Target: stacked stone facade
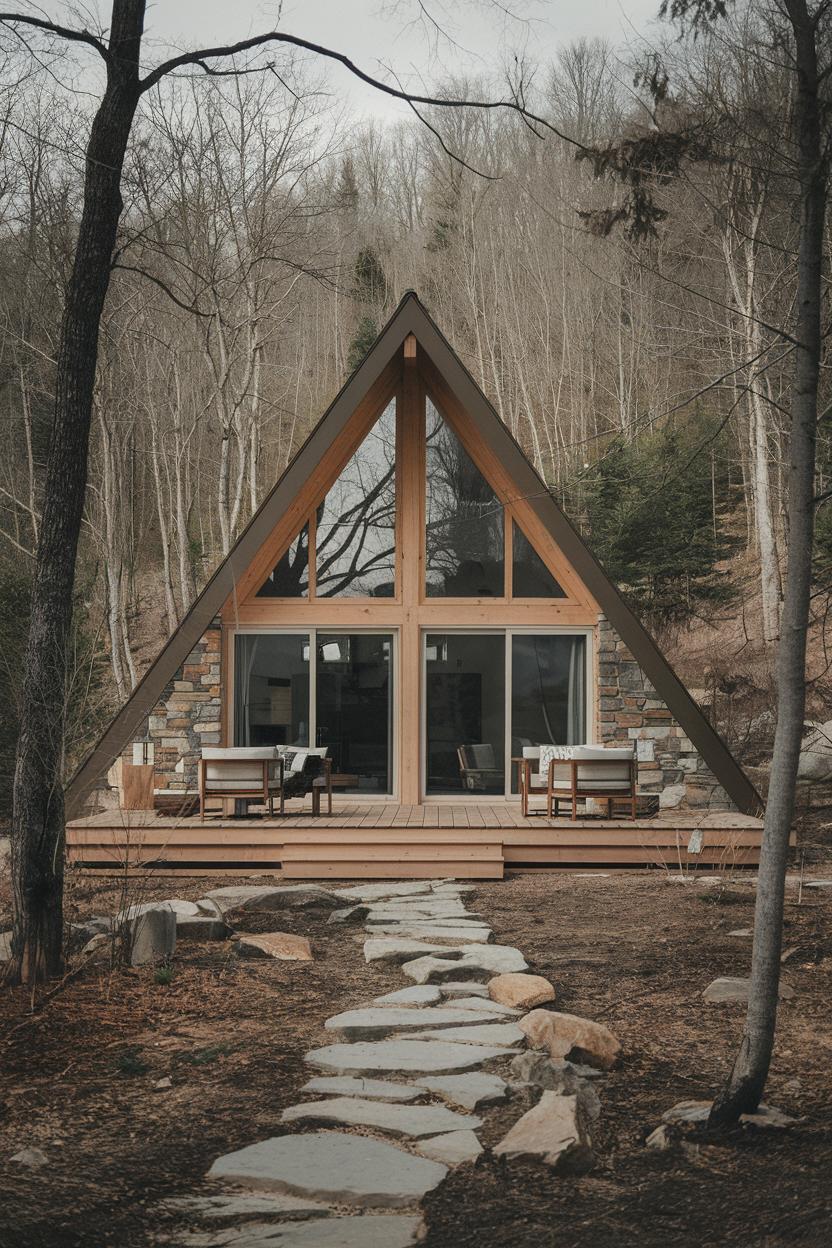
(188,715)
(630,709)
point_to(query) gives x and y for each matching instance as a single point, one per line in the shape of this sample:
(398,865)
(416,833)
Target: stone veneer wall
(631,709)
(187,716)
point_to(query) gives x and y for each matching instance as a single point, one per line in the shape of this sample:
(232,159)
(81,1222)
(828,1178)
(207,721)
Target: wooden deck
(386,840)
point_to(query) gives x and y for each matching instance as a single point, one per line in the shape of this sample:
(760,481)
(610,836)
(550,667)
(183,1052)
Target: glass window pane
(355,707)
(548,692)
(356,530)
(465,712)
(464,520)
(271,689)
(530,576)
(290,576)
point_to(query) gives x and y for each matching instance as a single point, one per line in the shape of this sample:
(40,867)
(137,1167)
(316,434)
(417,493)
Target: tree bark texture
(748,1077)
(37,835)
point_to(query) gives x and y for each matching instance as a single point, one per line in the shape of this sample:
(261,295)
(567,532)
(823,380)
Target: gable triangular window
(289,578)
(530,578)
(355,530)
(464,546)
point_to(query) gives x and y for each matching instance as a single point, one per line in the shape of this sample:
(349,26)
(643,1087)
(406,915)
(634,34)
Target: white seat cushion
(531,752)
(229,753)
(612,786)
(607,752)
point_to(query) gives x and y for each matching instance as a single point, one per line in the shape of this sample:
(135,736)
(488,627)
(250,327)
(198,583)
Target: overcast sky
(383,33)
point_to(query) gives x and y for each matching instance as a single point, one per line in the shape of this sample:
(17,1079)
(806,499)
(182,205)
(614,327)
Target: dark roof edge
(126,722)
(647,654)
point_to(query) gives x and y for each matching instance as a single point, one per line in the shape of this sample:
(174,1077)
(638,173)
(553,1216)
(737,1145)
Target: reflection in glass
(290,576)
(271,689)
(356,529)
(464,520)
(355,707)
(548,692)
(465,712)
(530,576)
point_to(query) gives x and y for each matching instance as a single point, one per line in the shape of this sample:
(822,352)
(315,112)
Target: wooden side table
(325,784)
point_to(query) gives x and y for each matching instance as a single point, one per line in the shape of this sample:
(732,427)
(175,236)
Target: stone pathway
(402,1091)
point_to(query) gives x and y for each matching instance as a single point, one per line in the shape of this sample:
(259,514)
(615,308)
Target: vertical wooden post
(411,438)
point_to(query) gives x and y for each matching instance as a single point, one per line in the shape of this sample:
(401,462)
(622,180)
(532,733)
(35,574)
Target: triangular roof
(409,318)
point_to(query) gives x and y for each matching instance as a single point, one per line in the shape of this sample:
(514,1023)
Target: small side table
(325,784)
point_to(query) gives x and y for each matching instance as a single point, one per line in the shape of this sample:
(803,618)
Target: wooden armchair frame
(262,789)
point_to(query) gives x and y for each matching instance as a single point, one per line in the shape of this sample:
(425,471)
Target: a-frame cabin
(411,598)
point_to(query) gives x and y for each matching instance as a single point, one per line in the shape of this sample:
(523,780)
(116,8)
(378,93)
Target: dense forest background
(265,240)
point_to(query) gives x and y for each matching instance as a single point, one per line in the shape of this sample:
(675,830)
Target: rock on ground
(201,927)
(520,991)
(463,988)
(386,1056)
(546,1073)
(474,960)
(331,1166)
(568,1036)
(285,946)
(152,936)
(271,897)
(414,1121)
(698,1111)
(470,1091)
(728,989)
(555,1131)
(34,1157)
(453,1148)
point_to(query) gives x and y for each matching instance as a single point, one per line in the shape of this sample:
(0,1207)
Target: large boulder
(815,763)
(555,1131)
(275,897)
(567,1036)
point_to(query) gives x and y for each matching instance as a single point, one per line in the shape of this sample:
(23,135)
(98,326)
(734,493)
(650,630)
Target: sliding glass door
(465,712)
(332,689)
(489,694)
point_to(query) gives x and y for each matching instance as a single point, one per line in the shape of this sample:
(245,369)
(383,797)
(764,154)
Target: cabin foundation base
(396,842)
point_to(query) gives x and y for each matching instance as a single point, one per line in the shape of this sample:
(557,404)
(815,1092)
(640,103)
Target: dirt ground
(634,950)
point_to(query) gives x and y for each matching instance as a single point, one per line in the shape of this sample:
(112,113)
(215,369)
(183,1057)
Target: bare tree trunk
(37,834)
(748,1077)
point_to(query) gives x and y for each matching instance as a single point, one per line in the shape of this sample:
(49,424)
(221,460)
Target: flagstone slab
(397,949)
(479,1033)
(471,1091)
(379,1057)
(451,988)
(334,1167)
(245,1205)
(453,1148)
(419,994)
(375,892)
(385,1230)
(374,1024)
(456,936)
(476,960)
(370,1089)
(413,1121)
